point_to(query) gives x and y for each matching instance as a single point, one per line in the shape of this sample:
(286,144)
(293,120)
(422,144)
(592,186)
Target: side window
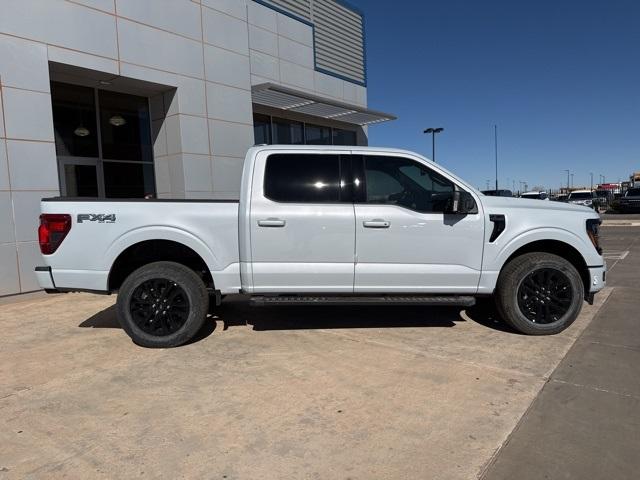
(302,178)
(403,182)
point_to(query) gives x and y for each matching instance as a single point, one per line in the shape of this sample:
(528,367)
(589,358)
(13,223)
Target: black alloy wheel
(159,307)
(545,295)
(162,304)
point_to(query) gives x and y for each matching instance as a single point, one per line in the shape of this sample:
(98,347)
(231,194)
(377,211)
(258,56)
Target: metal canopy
(283,98)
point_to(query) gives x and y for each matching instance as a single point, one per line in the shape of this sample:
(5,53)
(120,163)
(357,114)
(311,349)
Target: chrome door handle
(271,222)
(376,223)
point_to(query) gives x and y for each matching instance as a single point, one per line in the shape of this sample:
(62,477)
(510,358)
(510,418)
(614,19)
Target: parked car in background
(561,197)
(498,193)
(586,198)
(630,202)
(535,195)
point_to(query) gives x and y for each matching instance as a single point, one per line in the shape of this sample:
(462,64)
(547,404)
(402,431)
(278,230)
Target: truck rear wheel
(162,305)
(539,293)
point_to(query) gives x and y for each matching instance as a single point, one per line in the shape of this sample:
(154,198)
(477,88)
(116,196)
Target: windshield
(633,192)
(580,195)
(531,195)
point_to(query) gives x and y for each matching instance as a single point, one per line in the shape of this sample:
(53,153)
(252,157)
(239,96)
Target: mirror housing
(462,202)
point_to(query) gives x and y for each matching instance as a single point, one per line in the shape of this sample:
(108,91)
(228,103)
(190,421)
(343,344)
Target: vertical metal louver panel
(339,39)
(298,7)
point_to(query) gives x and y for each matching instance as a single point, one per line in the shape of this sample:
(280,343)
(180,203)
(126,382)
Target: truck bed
(103,229)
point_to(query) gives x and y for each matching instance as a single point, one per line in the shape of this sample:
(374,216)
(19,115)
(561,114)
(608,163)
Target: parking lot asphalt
(586,421)
(306,392)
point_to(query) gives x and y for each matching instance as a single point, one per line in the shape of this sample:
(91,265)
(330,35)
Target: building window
(287,132)
(103,142)
(262,129)
(317,135)
(344,137)
(280,131)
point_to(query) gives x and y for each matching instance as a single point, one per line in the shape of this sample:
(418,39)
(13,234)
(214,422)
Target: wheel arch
(559,248)
(148,251)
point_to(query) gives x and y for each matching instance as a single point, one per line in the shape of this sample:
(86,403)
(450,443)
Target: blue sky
(560,78)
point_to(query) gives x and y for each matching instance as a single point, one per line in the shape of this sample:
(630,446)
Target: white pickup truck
(325,225)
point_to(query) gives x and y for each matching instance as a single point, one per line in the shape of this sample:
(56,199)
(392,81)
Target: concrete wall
(207,53)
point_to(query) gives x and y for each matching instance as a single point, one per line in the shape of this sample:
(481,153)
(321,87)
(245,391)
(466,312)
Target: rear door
(405,242)
(302,223)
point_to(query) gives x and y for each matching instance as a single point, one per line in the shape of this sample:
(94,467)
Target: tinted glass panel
(403,182)
(262,129)
(128,180)
(125,127)
(344,137)
(287,132)
(317,135)
(81,180)
(303,178)
(74,120)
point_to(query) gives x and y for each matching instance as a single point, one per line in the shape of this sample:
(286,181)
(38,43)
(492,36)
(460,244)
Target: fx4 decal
(97,217)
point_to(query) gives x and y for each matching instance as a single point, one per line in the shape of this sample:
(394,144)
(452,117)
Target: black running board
(425,300)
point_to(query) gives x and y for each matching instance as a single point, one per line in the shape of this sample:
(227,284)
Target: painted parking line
(616,255)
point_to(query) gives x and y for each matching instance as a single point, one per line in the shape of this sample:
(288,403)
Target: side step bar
(446,300)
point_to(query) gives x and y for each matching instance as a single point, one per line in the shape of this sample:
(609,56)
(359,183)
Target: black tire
(162,305)
(546,309)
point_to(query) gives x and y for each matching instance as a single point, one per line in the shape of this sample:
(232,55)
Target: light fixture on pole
(433,132)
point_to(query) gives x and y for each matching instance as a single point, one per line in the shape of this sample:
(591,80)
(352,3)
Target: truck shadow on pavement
(235,313)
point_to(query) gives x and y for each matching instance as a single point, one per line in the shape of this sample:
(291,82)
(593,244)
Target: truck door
(302,223)
(404,240)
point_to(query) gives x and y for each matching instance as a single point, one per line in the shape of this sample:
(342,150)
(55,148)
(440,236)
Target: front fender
(496,258)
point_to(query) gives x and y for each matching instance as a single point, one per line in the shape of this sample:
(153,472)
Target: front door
(302,224)
(405,242)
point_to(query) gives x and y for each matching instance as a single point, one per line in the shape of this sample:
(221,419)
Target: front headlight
(593,231)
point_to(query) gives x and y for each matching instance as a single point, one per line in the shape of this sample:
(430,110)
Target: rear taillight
(593,230)
(52,230)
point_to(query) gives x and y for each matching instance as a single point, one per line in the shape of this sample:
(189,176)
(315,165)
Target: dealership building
(162,98)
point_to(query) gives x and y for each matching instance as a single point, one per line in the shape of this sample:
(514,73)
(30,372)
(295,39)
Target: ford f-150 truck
(325,225)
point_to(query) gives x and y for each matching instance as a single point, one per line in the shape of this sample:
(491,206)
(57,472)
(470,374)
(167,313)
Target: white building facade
(134,98)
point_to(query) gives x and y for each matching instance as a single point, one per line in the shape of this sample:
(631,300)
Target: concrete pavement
(586,421)
(359,393)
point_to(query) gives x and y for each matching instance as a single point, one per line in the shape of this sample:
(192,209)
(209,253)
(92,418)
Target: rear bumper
(45,279)
(71,281)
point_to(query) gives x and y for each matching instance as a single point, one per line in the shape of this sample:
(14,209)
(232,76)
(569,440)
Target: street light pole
(572,180)
(566,170)
(495,139)
(433,132)
(591,173)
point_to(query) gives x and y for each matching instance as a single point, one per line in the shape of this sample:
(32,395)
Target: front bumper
(597,278)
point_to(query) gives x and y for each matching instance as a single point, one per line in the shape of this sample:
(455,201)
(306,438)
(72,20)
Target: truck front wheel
(162,304)
(539,293)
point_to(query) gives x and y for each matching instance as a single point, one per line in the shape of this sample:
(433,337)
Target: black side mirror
(462,202)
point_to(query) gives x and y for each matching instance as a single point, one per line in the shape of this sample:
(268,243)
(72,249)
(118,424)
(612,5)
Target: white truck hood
(541,205)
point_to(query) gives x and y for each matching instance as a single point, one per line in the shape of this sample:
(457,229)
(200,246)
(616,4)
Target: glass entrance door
(80,177)
(103,143)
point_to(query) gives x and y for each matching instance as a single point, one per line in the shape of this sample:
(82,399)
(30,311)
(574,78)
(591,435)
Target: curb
(619,223)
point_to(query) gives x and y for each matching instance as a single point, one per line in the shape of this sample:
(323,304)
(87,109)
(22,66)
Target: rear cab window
(302,178)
